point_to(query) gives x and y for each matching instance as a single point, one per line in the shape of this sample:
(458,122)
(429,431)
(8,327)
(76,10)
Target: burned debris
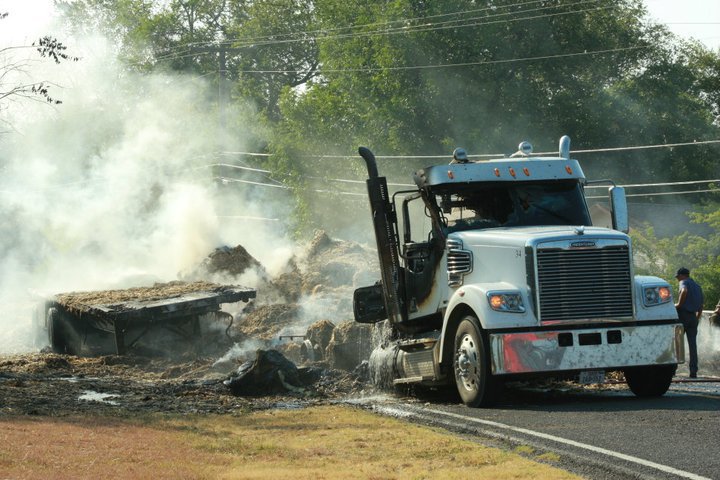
(116,320)
(296,338)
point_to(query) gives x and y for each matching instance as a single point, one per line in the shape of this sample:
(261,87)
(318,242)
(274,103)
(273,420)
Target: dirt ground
(49,384)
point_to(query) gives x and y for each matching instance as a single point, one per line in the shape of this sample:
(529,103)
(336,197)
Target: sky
(698,19)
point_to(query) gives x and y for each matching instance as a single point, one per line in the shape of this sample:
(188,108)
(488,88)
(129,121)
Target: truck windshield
(513,204)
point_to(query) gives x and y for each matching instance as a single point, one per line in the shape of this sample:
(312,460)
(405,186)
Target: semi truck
(492,271)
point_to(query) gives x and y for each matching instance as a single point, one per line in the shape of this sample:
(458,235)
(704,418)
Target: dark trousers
(690,322)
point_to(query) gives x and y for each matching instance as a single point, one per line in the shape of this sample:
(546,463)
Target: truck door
(422,254)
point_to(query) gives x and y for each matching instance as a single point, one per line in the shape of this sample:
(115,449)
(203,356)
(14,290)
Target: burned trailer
(115,321)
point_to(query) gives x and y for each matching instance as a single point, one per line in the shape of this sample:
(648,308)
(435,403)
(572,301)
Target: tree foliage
(413,77)
(699,253)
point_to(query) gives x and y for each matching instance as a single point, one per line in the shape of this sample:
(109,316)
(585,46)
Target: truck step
(417,344)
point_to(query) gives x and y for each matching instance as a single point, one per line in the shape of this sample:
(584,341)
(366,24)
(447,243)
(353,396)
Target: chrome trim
(566,243)
(419,364)
(587,283)
(542,352)
(459,262)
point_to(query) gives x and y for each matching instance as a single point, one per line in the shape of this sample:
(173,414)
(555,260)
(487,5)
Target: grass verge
(328,442)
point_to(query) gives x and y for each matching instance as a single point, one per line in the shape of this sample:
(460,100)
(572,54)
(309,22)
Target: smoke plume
(114,187)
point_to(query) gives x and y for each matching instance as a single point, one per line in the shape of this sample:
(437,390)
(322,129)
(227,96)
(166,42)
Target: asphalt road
(599,434)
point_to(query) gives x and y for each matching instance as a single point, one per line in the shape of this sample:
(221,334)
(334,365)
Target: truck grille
(584,283)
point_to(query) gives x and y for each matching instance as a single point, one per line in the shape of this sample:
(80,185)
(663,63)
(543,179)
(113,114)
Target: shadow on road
(526,396)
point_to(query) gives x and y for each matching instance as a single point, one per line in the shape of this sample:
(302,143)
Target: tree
(274,38)
(218,38)
(14,78)
(410,77)
(699,253)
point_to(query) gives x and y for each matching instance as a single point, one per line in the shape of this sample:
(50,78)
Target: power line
(279,184)
(253,42)
(250,154)
(404,30)
(403,185)
(364,25)
(641,147)
(686,192)
(245,217)
(664,184)
(455,65)
(494,155)
(239,180)
(471,22)
(656,194)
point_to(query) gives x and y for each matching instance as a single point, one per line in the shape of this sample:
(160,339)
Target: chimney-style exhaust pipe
(385,225)
(565,147)
(369,158)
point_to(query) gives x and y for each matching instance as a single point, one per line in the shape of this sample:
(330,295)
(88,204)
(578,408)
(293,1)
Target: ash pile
(299,331)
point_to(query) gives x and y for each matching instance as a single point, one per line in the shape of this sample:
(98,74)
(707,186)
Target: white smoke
(113,188)
(708,345)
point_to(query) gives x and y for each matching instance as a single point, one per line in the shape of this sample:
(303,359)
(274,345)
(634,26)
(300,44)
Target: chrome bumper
(588,349)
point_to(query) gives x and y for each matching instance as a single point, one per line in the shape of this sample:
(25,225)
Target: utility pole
(223,91)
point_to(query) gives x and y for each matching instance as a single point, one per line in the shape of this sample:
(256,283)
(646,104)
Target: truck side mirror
(369,304)
(618,205)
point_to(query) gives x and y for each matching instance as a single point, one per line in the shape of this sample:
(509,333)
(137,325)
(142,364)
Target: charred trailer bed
(76,322)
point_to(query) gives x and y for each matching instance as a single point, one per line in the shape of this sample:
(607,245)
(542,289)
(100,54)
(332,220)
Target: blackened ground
(58,385)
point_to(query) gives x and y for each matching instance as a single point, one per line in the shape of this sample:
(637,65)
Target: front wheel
(471,365)
(652,381)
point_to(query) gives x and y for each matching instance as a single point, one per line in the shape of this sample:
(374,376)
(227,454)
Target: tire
(475,384)
(652,381)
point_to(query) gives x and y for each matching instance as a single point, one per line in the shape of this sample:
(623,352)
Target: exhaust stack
(385,225)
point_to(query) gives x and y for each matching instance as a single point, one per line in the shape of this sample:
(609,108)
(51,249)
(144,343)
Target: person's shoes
(693,375)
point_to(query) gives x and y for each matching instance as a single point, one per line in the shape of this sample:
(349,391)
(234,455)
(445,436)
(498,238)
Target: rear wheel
(652,381)
(475,384)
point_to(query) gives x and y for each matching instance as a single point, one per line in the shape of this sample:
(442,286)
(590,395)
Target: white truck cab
(511,279)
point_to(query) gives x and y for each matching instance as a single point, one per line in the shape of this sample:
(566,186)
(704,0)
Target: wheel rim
(467,363)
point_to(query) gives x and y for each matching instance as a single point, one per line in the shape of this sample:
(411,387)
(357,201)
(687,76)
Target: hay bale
(233,261)
(267,321)
(79,301)
(351,343)
(320,333)
(289,284)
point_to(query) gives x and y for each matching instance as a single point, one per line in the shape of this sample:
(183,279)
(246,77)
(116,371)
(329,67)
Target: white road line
(628,458)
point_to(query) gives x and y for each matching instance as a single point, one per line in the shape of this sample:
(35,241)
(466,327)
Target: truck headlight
(506,302)
(656,295)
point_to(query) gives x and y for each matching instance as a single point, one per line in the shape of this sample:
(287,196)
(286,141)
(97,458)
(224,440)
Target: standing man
(689,307)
